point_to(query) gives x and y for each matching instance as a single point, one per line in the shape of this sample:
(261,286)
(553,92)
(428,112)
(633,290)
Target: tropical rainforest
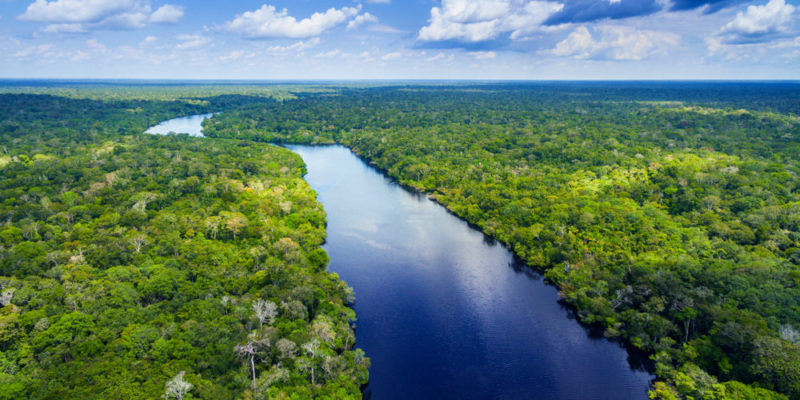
(667,214)
(135,266)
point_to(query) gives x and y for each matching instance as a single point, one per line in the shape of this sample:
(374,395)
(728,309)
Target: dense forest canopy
(666,213)
(136,266)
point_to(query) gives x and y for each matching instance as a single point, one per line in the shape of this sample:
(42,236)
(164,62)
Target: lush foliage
(136,266)
(665,213)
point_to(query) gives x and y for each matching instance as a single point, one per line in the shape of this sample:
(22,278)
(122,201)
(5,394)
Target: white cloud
(130,20)
(467,11)
(96,46)
(71,16)
(530,20)
(614,43)
(39,51)
(8,46)
(167,14)
(192,41)
(482,20)
(365,56)
(759,24)
(76,11)
(81,55)
(441,28)
(296,46)
(381,28)
(483,55)
(391,56)
(775,51)
(93,47)
(233,55)
(148,41)
(64,28)
(267,22)
(578,44)
(361,19)
(329,54)
(130,54)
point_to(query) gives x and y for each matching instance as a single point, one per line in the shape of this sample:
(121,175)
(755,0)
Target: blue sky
(400,39)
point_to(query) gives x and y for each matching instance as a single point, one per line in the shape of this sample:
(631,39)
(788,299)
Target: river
(443,311)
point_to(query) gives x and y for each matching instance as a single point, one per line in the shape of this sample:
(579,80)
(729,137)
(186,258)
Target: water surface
(445,313)
(191,125)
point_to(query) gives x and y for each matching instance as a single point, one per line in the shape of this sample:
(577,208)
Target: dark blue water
(444,313)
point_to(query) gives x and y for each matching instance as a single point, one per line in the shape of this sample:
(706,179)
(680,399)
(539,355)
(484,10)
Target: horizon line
(377,80)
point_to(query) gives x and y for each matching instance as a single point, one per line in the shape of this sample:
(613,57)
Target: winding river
(445,312)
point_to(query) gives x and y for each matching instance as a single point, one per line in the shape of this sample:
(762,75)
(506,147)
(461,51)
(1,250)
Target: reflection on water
(191,125)
(445,313)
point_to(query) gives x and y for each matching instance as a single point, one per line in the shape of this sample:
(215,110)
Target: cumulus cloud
(82,15)
(128,20)
(487,24)
(148,41)
(759,24)
(362,19)
(579,44)
(66,11)
(474,21)
(269,23)
(465,11)
(442,28)
(167,14)
(614,43)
